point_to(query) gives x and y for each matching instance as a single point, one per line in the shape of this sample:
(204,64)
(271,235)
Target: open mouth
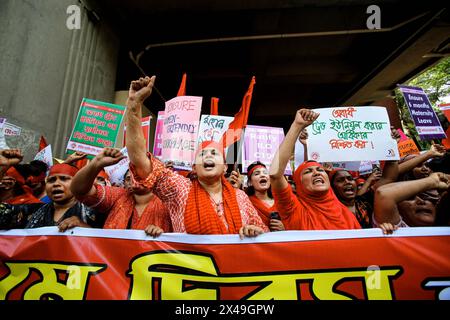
(424,211)
(56,193)
(317,181)
(348,189)
(263,181)
(207,164)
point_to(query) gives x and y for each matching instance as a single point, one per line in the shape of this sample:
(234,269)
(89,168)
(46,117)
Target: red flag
(42,143)
(234,131)
(182,89)
(214,106)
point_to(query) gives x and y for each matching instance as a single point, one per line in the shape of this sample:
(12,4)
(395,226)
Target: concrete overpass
(303,53)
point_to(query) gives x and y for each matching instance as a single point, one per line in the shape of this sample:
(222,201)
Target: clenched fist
(141,89)
(108,157)
(10,157)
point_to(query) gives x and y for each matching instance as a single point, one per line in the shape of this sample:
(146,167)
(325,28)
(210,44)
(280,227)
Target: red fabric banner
(413,263)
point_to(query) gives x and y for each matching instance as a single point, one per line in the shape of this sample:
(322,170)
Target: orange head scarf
(325,210)
(13,173)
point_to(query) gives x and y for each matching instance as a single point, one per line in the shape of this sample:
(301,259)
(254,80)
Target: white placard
(351,134)
(117,171)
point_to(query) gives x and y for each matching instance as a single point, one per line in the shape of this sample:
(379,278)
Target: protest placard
(212,127)
(117,171)
(181,124)
(425,119)
(157,144)
(96,127)
(145,124)
(407,147)
(261,144)
(356,133)
(3,144)
(10,129)
(45,155)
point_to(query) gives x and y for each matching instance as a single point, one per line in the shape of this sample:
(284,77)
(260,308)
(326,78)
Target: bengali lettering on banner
(261,144)
(89,264)
(157,144)
(425,119)
(356,133)
(181,124)
(212,127)
(96,127)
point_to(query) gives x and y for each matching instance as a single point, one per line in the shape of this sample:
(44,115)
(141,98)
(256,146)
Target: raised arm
(8,158)
(139,91)
(302,138)
(303,118)
(435,151)
(83,182)
(388,195)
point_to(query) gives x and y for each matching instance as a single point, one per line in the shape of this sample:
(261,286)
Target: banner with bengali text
(96,127)
(412,263)
(351,133)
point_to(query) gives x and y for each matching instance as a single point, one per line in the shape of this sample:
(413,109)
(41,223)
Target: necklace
(216,203)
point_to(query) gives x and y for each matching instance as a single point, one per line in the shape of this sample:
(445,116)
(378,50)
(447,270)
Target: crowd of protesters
(158,199)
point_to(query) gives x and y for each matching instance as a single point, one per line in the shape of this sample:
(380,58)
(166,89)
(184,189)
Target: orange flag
(42,143)
(234,131)
(214,106)
(182,90)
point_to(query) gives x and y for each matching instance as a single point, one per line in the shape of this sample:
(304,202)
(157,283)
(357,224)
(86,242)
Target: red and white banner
(43,263)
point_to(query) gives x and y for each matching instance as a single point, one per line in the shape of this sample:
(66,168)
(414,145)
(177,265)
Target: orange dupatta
(200,216)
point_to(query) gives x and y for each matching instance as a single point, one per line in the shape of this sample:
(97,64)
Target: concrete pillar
(46,69)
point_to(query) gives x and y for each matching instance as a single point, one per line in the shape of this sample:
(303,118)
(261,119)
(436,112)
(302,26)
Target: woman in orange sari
(260,195)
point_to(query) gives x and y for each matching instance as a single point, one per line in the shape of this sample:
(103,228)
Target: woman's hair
(250,189)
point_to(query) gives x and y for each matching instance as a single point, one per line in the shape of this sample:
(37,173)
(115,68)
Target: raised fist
(305,117)
(10,157)
(108,157)
(141,89)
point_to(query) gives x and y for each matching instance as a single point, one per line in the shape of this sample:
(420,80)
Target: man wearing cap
(206,205)
(63,211)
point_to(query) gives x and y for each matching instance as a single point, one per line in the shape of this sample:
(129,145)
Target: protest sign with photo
(356,133)
(96,127)
(425,119)
(181,124)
